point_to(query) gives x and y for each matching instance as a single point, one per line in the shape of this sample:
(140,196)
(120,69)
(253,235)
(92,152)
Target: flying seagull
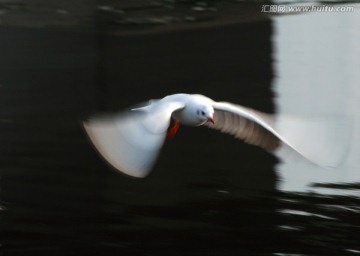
(131,141)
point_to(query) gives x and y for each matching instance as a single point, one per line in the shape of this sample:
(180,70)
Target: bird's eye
(202,113)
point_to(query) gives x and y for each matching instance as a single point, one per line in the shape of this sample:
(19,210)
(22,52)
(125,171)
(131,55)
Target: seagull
(131,141)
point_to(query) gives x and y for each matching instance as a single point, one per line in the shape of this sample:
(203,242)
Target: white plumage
(131,142)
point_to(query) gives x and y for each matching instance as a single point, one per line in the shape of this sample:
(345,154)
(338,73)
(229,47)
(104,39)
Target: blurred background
(209,194)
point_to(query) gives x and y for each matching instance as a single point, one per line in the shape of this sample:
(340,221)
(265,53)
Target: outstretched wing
(316,139)
(249,125)
(131,142)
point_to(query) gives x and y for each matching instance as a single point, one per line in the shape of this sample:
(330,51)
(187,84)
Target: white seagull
(131,142)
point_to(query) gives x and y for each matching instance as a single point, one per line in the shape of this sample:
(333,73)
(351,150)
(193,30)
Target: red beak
(211,120)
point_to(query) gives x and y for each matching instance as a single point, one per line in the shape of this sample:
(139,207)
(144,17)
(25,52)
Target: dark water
(208,194)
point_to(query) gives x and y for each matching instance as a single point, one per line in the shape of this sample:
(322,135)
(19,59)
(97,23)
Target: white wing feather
(249,125)
(131,142)
(316,139)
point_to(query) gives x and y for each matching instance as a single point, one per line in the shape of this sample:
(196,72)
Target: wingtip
(136,174)
(117,142)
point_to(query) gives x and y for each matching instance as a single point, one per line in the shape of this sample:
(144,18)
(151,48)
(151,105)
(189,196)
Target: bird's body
(188,104)
(131,142)
(192,104)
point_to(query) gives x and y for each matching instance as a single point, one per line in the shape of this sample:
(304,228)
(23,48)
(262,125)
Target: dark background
(208,194)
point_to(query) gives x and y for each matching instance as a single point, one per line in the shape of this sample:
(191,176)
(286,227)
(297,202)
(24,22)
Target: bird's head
(204,113)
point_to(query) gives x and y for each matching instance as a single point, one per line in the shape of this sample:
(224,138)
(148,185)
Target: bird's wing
(249,125)
(131,142)
(315,138)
